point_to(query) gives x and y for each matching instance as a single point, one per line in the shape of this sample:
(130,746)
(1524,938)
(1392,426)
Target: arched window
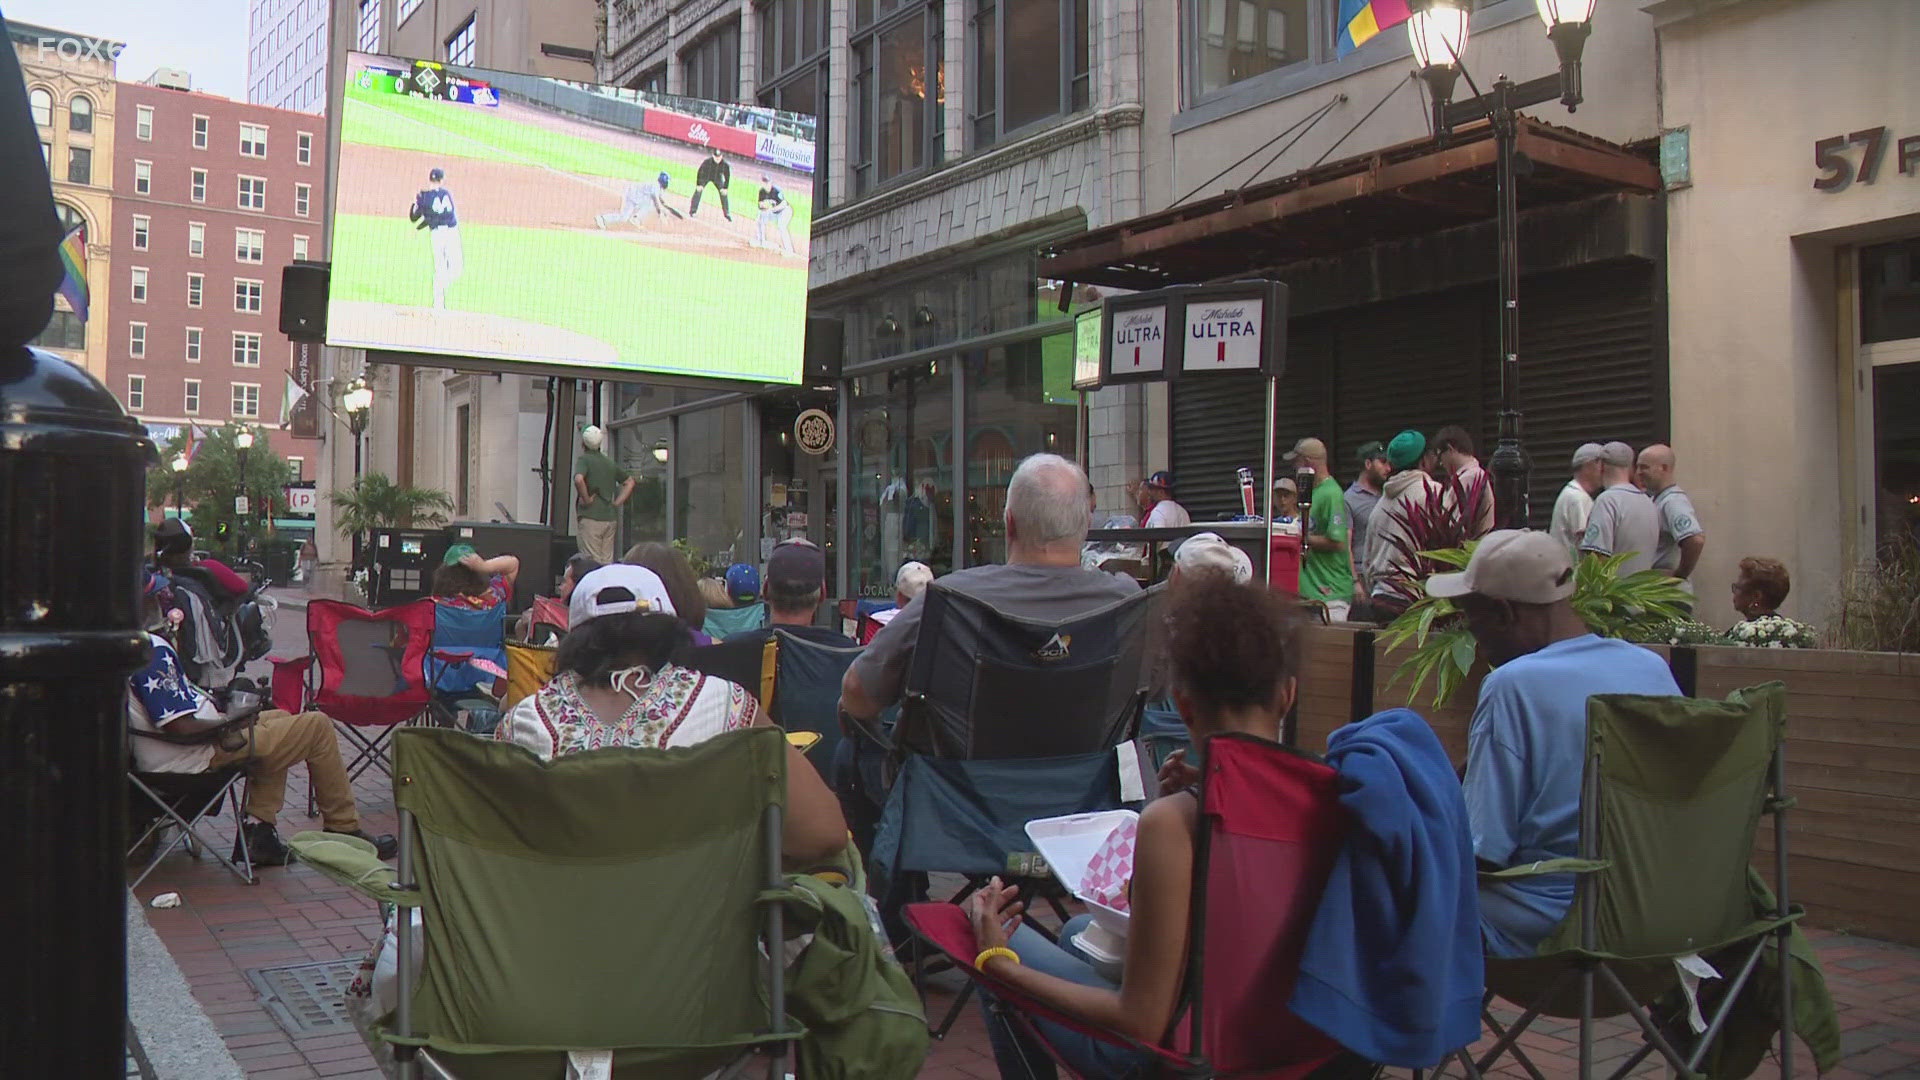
(42,103)
(80,113)
(69,219)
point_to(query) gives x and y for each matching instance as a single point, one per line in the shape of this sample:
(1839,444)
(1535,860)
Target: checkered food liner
(1110,874)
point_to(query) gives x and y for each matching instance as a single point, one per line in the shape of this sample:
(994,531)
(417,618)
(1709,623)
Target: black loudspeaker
(825,343)
(303,301)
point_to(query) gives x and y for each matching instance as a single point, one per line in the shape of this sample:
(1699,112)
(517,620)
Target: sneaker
(264,846)
(384,845)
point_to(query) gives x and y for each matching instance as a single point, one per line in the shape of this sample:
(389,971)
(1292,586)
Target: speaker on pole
(825,344)
(303,300)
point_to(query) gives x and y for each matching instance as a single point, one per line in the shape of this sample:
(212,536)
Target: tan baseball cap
(1308,448)
(1520,565)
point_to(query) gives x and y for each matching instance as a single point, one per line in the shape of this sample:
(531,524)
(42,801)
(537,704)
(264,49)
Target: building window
(143,123)
(793,71)
(246,349)
(407,7)
(247,295)
(191,401)
(303,148)
(196,288)
(253,193)
(460,44)
(66,331)
(653,81)
(143,178)
(196,239)
(79,165)
(253,140)
(1030,62)
(712,65)
(1890,292)
(199,132)
(194,337)
(369,35)
(46,153)
(41,103)
(299,248)
(246,401)
(901,473)
(249,245)
(137,339)
(896,106)
(198,188)
(297,466)
(142,231)
(139,284)
(136,392)
(1230,41)
(302,198)
(80,113)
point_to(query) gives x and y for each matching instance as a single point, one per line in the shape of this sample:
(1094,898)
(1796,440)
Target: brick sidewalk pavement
(223,930)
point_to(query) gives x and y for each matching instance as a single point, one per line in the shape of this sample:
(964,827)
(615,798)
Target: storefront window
(1896,432)
(1890,291)
(799,491)
(1020,401)
(901,475)
(708,481)
(639,449)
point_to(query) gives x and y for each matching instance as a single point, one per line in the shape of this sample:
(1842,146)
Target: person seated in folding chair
(579,565)
(614,685)
(1233,681)
(1527,741)
(465,580)
(910,582)
(160,700)
(795,585)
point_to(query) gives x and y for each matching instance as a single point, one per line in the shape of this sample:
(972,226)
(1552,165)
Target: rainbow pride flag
(73,259)
(1360,20)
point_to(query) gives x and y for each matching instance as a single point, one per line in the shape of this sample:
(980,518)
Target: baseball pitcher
(714,170)
(774,210)
(432,210)
(642,204)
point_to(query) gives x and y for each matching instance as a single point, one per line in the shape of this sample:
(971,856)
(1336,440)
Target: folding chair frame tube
(1783,936)
(187,834)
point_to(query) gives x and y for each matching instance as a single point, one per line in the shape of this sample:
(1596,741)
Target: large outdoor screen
(512,217)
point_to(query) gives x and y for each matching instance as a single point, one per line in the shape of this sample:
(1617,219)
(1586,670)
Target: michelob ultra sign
(1194,329)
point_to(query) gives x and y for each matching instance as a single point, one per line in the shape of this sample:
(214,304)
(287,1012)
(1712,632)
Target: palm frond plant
(375,502)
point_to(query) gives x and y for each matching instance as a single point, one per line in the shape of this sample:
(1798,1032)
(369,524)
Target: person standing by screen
(774,208)
(714,170)
(601,488)
(432,210)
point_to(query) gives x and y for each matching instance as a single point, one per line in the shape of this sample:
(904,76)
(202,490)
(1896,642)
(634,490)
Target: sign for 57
(1838,170)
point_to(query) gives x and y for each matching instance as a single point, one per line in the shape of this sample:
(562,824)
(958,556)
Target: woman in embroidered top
(614,685)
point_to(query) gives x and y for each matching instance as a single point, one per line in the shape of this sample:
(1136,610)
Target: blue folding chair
(469,654)
(806,693)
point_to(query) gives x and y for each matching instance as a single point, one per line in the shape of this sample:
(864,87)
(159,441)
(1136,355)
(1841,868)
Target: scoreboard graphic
(426,79)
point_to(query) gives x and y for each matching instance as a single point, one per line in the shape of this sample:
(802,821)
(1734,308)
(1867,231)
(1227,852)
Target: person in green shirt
(1326,570)
(600,488)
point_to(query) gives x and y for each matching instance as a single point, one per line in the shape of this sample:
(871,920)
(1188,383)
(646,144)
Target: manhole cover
(307,999)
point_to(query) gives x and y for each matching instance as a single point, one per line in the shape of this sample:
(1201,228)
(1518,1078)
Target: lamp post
(243,442)
(1438,29)
(660,451)
(179,465)
(356,402)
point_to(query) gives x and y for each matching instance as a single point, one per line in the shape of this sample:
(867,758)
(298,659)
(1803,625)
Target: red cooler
(1284,551)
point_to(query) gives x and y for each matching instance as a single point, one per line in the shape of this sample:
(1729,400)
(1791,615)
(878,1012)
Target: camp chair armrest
(853,725)
(453,656)
(1547,866)
(352,862)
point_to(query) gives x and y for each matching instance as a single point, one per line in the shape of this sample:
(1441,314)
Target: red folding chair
(367,670)
(1272,826)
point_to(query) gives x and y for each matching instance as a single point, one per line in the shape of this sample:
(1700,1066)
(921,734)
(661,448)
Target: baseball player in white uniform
(642,204)
(774,210)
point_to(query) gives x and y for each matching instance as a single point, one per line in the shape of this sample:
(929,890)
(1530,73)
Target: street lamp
(243,442)
(1438,29)
(660,451)
(356,402)
(180,464)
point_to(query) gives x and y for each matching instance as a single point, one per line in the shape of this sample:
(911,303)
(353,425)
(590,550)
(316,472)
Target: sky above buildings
(205,37)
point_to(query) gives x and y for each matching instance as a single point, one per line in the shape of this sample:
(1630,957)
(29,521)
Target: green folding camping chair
(608,901)
(1673,790)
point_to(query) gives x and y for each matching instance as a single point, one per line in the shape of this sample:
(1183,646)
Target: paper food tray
(1069,843)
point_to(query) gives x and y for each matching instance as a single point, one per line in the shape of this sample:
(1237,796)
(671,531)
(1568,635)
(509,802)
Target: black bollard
(72,499)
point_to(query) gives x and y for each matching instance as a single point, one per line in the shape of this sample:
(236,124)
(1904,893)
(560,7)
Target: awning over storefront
(1408,190)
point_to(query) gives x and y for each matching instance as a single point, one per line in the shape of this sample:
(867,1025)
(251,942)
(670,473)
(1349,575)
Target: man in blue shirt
(1527,742)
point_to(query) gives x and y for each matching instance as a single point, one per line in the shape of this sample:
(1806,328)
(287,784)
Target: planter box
(1853,762)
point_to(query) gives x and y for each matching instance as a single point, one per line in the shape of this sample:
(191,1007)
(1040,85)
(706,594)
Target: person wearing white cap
(1570,510)
(600,489)
(1623,520)
(1526,743)
(615,684)
(1207,553)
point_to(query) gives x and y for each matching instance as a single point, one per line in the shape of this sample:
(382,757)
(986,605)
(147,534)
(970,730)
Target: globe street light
(660,451)
(1438,29)
(179,464)
(357,402)
(243,442)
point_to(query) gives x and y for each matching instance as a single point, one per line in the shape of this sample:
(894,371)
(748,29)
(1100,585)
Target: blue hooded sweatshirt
(1393,968)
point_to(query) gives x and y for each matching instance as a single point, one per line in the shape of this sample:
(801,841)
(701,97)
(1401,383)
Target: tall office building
(287,54)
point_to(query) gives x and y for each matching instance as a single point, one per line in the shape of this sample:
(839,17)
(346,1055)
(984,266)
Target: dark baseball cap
(1372,450)
(1162,480)
(435,174)
(796,566)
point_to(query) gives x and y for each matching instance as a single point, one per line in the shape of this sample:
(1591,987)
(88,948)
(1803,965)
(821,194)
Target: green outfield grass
(469,131)
(721,313)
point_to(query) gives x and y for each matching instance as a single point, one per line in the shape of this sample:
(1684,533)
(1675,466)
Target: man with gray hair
(1046,521)
(1623,520)
(1575,503)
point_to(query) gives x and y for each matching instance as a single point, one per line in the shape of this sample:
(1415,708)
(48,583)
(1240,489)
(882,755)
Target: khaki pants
(282,740)
(596,540)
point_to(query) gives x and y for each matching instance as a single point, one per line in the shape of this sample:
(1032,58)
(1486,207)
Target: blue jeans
(1019,1057)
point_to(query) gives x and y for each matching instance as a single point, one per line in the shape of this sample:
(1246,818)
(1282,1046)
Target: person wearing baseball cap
(796,585)
(615,684)
(1362,496)
(1207,553)
(1623,519)
(1326,570)
(1575,502)
(1286,503)
(1389,574)
(1526,744)
(743,583)
(1157,508)
(600,489)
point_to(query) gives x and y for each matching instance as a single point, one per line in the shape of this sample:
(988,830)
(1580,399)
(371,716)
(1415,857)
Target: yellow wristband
(980,962)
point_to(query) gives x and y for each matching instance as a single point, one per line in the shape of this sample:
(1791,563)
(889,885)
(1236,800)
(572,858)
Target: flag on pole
(1360,20)
(194,438)
(73,261)
(290,400)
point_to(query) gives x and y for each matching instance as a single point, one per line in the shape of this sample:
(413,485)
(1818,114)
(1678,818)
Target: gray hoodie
(1383,556)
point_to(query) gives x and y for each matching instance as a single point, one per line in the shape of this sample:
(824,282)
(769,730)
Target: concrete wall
(1761,344)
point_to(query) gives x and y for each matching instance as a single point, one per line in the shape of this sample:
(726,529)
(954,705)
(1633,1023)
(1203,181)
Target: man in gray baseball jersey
(1623,520)
(1681,537)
